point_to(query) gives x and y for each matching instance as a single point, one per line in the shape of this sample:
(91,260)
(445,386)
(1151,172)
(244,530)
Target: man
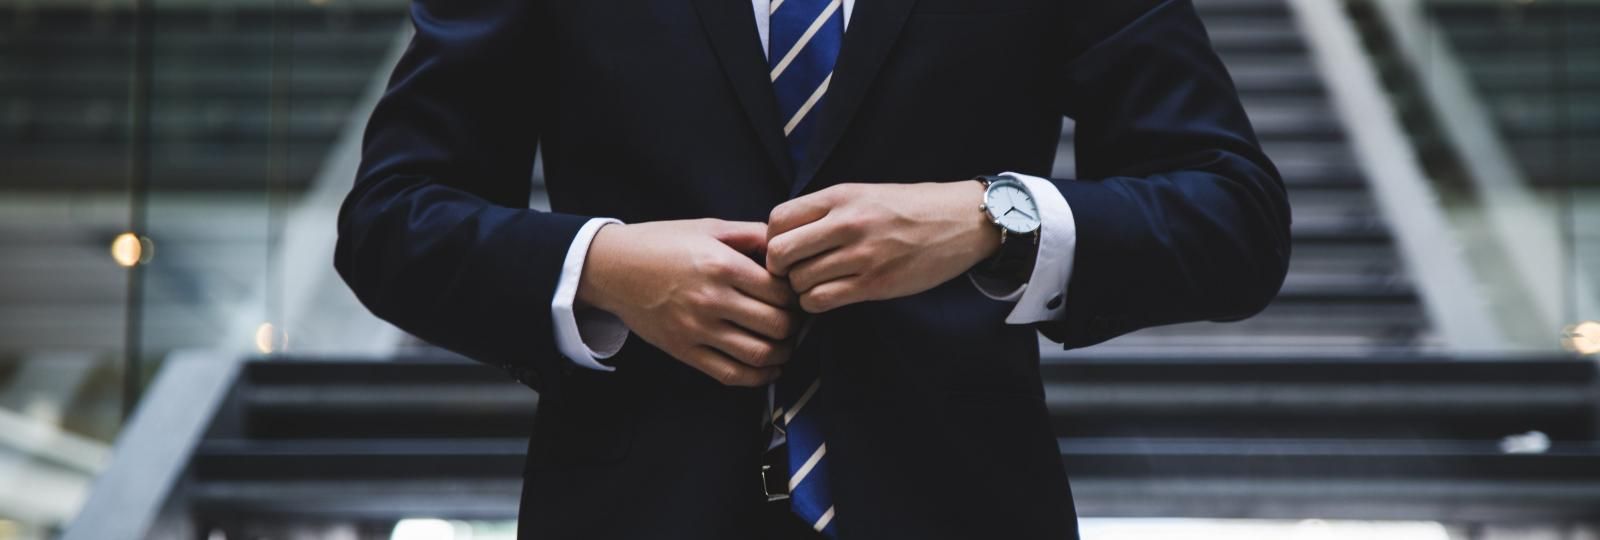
(834,322)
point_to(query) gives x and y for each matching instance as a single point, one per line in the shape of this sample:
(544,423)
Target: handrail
(1526,233)
(1404,194)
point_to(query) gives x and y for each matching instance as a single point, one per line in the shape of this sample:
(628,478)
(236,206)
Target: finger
(747,348)
(747,237)
(832,295)
(787,249)
(799,211)
(826,267)
(728,371)
(750,278)
(759,317)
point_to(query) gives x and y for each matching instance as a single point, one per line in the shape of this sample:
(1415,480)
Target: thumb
(747,237)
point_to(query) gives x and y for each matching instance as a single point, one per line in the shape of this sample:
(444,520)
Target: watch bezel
(993,182)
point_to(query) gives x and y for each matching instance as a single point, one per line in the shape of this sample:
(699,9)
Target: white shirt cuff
(1043,297)
(585,335)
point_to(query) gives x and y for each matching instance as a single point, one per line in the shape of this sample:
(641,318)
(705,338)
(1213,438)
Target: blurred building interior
(179,360)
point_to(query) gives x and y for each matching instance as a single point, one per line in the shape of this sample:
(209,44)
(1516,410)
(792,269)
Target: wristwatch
(1010,205)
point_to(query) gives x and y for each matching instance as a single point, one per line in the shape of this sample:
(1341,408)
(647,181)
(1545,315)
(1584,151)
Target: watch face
(1012,207)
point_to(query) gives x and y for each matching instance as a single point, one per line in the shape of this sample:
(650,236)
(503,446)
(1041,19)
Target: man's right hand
(692,289)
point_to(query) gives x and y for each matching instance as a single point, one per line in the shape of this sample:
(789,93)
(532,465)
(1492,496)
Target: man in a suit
(801,211)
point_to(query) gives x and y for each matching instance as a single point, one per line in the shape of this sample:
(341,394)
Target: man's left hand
(857,242)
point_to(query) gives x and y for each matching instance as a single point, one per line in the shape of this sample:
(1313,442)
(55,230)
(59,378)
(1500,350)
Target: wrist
(594,281)
(981,229)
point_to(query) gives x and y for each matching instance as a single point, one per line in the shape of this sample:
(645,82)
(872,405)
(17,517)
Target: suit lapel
(731,27)
(874,26)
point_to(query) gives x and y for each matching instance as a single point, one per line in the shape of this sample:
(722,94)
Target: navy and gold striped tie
(803,45)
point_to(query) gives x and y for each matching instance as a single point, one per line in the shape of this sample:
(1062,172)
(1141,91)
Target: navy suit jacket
(662,109)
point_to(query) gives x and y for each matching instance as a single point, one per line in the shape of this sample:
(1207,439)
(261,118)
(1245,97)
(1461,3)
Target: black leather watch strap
(1013,263)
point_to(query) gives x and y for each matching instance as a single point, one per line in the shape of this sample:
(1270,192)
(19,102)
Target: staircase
(1347,290)
(294,444)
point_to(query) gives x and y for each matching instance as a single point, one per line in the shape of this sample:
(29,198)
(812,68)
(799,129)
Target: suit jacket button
(1054,303)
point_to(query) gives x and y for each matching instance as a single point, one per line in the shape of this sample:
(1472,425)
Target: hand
(856,242)
(692,289)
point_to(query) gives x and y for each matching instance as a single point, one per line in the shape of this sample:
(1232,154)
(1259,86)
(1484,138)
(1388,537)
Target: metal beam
(149,460)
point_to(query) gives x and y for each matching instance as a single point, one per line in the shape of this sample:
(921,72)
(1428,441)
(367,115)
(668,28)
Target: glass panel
(250,98)
(1525,141)
(67,80)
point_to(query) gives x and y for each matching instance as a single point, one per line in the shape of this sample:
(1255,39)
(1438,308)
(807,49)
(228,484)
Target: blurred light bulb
(128,249)
(269,339)
(1582,338)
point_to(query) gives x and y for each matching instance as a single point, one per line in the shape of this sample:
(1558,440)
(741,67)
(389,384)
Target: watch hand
(1013,209)
(1029,216)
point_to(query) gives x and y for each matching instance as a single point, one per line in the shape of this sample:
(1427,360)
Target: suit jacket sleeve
(1180,216)
(436,237)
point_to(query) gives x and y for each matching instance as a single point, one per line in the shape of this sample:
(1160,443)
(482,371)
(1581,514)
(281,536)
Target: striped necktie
(803,44)
(804,40)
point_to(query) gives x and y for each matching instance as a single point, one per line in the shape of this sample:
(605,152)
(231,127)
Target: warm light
(423,529)
(1582,338)
(129,249)
(269,339)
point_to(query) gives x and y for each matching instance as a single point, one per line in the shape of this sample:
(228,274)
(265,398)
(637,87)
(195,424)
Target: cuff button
(1054,303)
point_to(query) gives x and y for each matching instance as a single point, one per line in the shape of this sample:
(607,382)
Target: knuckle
(727,375)
(697,299)
(779,268)
(780,214)
(762,354)
(811,302)
(778,249)
(716,267)
(825,300)
(689,329)
(738,377)
(854,222)
(800,278)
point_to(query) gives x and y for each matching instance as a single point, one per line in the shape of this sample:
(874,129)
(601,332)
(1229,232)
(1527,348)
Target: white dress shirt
(587,335)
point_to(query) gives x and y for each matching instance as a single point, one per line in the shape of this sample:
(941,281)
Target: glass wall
(1506,108)
(67,77)
(152,151)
